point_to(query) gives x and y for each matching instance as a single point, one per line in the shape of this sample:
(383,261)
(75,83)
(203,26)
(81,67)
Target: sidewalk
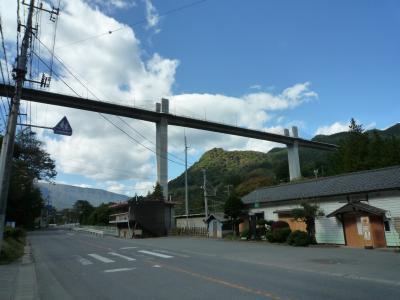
(18,279)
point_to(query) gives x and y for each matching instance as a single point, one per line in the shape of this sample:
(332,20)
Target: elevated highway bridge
(162,118)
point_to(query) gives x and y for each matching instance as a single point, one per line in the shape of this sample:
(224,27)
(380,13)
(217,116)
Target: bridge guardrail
(89,230)
(97,230)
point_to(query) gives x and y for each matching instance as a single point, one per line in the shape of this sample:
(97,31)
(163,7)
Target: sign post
(63,127)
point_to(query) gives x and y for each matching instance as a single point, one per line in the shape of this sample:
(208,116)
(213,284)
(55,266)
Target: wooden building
(361,209)
(142,218)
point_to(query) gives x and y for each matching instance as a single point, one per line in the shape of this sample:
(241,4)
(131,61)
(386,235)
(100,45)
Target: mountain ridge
(63,196)
(247,170)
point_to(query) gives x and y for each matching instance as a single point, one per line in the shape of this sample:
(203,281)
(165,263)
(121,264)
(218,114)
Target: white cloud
(82,185)
(333,128)
(99,151)
(341,127)
(109,5)
(152,16)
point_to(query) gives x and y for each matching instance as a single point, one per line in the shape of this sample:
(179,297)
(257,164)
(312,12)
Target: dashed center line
(122,256)
(155,254)
(101,258)
(118,270)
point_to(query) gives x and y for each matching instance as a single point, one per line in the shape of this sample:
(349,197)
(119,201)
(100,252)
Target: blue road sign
(63,127)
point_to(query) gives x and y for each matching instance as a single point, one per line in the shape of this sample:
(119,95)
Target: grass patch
(13,245)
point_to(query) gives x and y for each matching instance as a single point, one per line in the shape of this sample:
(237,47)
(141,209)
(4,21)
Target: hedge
(278,235)
(298,238)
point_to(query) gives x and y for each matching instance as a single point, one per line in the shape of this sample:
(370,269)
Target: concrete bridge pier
(293,155)
(162,147)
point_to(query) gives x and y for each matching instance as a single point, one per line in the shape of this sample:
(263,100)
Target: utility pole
(205,193)
(7,148)
(186,187)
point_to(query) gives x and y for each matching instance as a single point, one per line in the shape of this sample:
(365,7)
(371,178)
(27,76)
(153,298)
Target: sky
(259,64)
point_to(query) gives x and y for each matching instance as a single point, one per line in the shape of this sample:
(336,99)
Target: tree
(100,215)
(233,209)
(30,163)
(307,214)
(29,152)
(157,193)
(353,151)
(83,209)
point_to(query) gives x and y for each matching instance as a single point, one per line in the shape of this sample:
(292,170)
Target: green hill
(244,171)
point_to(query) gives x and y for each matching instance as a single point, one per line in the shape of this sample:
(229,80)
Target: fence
(191,231)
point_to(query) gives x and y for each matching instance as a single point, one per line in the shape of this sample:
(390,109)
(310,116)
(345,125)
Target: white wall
(327,230)
(330,230)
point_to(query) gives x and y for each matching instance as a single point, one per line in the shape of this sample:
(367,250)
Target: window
(259,216)
(387,225)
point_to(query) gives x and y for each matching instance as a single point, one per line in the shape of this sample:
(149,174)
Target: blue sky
(348,50)
(229,60)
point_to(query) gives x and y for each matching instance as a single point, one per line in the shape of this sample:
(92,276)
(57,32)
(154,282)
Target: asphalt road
(70,265)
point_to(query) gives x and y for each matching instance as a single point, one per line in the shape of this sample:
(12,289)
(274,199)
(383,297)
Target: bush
(279,225)
(269,222)
(261,222)
(244,233)
(13,245)
(14,233)
(270,237)
(280,235)
(298,238)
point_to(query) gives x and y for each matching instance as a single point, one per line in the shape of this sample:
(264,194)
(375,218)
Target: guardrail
(89,230)
(97,230)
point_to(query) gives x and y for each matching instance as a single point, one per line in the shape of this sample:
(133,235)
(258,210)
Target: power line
(85,85)
(177,157)
(54,42)
(148,148)
(104,117)
(94,95)
(143,21)
(4,49)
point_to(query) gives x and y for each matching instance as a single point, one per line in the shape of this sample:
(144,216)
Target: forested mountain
(244,171)
(64,196)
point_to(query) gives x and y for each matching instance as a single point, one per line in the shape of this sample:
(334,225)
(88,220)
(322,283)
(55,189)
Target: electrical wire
(54,42)
(143,21)
(4,49)
(107,119)
(94,95)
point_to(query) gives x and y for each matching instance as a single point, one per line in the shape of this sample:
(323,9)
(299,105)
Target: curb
(26,283)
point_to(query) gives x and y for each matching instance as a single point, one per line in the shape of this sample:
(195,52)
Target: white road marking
(83,261)
(172,253)
(118,270)
(123,256)
(101,258)
(155,254)
(126,248)
(156,266)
